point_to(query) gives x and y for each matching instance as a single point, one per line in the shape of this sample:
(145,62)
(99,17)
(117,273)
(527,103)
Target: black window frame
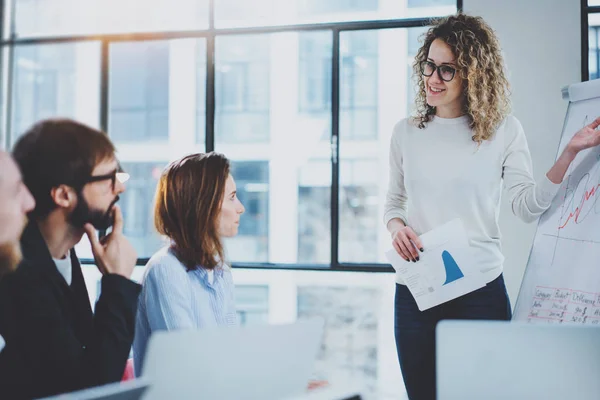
(586,11)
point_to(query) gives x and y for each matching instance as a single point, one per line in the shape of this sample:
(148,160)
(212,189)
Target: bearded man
(54,342)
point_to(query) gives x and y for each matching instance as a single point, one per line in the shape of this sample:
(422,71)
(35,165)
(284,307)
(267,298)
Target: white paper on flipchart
(566,246)
(426,278)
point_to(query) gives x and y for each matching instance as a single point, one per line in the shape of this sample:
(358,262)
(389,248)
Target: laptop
(252,362)
(511,360)
(130,390)
(335,392)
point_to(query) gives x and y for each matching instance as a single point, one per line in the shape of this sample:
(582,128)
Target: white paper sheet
(446,269)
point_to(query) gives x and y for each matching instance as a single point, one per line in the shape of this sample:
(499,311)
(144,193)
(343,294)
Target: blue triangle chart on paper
(453,272)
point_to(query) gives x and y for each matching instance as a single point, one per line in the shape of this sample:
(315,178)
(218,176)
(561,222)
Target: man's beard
(83,214)
(10,257)
(10,253)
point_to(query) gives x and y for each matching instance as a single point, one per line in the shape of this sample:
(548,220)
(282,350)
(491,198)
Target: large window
(304,113)
(313,190)
(262,125)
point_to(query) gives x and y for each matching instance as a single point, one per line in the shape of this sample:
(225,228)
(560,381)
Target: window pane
(252,303)
(278,140)
(68,17)
(594,48)
(56,80)
(238,13)
(593,2)
(375,67)
(358,85)
(137,203)
(156,92)
(242,89)
(139,91)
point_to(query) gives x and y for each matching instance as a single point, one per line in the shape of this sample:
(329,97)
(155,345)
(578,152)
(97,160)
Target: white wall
(542,49)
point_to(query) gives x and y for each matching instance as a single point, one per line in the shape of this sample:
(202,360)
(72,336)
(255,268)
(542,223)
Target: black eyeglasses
(445,72)
(117,174)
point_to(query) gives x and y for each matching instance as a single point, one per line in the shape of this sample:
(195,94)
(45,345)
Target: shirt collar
(203,273)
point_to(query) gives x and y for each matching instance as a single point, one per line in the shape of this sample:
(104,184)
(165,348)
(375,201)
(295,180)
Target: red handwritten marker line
(577,212)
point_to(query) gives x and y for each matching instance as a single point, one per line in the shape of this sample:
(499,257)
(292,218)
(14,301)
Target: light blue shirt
(173,298)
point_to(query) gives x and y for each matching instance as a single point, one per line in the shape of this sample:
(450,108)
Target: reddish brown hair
(187,206)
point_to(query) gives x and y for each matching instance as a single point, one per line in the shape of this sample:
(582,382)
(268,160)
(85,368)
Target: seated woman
(187,285)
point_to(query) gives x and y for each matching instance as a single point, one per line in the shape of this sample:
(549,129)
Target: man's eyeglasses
(445,72)
(117,174)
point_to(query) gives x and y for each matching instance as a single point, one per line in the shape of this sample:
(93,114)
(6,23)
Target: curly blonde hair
(481,66)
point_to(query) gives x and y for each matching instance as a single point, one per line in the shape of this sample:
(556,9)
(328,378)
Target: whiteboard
(562,278)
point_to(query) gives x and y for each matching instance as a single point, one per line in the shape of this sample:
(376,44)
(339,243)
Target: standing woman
(451,161)
(187,284)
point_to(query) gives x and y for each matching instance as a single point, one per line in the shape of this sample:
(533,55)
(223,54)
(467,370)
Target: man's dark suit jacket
(54,342)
